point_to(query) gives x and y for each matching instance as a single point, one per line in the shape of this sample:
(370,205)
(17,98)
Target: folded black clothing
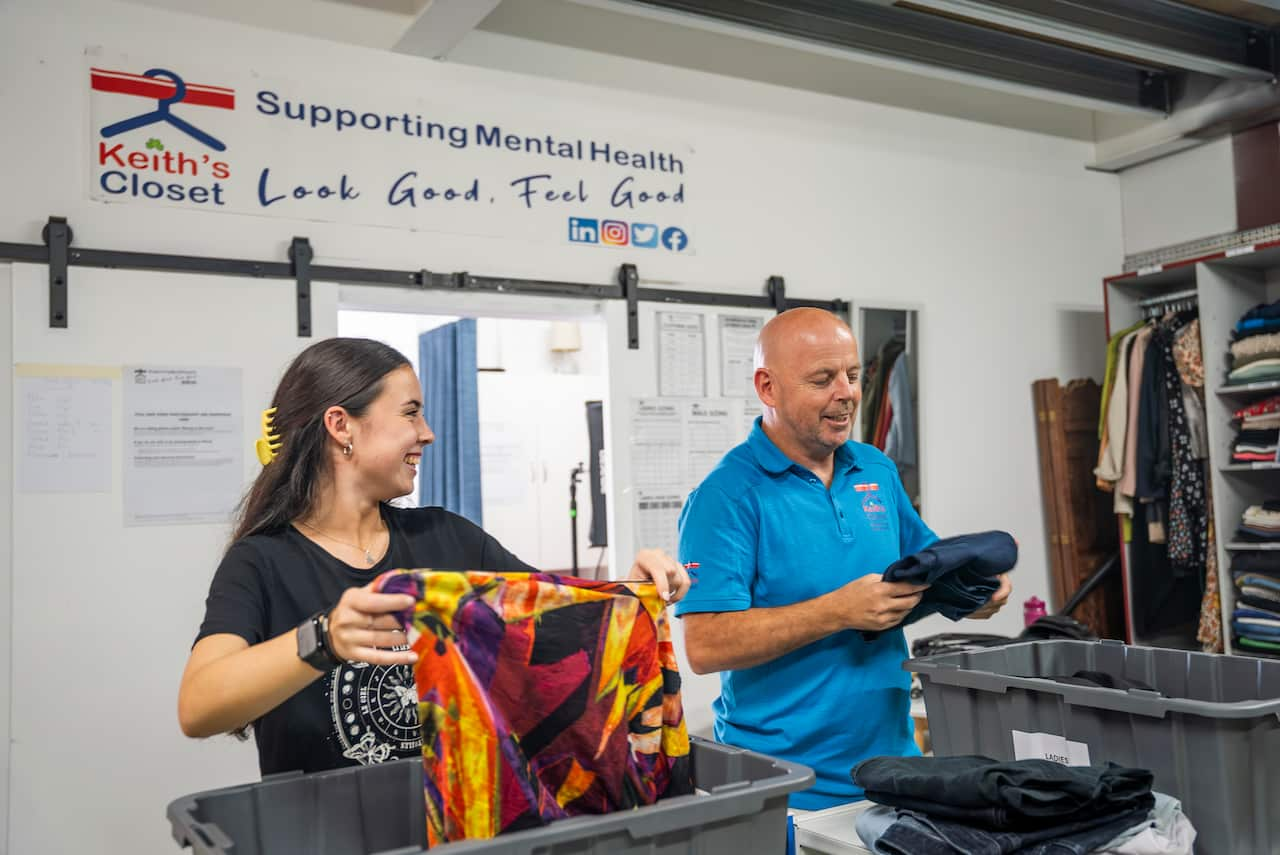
(1257,602)
(1256,561)
(1008,795)
(960,571)
(1258,436)
(1252,534)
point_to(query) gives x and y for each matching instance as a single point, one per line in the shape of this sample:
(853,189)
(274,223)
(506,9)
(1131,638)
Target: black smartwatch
(313,642)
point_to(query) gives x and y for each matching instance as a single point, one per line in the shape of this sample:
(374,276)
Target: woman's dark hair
(342,372)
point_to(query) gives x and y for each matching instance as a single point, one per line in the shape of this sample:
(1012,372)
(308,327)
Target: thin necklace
(368,556)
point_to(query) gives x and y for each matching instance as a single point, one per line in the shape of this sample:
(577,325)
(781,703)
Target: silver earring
(346,449)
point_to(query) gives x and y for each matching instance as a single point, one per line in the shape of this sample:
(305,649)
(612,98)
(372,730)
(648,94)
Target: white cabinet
(533,432)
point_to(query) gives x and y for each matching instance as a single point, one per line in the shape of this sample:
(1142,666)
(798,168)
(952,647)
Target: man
(786,540)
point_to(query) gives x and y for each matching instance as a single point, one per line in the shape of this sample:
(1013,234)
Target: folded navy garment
(1263,312)
(920,834)
(961,572)
(1003,796)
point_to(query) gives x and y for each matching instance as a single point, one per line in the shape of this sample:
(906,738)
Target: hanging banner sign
(209,139)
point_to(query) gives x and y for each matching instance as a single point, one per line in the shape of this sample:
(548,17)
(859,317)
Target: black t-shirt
(268,584)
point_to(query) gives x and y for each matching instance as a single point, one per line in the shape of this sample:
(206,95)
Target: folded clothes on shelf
(1255,372)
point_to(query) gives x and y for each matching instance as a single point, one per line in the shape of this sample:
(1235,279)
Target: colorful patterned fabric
(540,697)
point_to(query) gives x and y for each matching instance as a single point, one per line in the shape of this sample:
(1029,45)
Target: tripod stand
(575,475)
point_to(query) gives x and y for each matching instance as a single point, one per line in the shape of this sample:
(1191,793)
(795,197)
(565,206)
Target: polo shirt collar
(773,461)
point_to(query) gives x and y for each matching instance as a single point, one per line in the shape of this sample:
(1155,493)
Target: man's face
(816,388)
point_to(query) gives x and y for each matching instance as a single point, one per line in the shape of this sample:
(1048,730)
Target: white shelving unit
(1226,287)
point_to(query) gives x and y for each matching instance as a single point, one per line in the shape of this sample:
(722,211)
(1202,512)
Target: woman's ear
(337,422)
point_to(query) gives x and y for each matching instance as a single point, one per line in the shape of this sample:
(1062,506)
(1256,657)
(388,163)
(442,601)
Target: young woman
(294,642)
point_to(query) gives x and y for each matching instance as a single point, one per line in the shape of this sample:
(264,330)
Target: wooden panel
(1080,526)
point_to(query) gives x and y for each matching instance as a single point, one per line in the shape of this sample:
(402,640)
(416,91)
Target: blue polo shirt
(765,532)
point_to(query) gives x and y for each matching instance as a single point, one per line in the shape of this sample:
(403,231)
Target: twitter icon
(644,234)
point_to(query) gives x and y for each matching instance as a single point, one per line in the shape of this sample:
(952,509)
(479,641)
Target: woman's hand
(997,601)
(363,627)
(664,571)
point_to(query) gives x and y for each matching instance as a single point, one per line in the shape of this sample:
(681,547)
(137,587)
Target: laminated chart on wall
(674,443)
(682,363)
(64,428)
(711,428)
(183,444)
(738,335)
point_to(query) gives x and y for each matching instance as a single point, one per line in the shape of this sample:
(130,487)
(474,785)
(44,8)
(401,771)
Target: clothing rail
(1175,302)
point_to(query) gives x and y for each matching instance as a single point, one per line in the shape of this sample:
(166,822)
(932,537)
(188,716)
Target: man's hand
(997,601)
(868,603)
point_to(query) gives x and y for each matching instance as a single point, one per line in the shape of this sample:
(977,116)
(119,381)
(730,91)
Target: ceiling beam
(927,42)
(441,25)
(1148,30)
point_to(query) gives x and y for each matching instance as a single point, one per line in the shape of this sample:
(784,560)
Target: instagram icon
(614,232)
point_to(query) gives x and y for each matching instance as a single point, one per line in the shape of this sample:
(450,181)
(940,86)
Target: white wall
(1182,197)
(6,550)
(990,230)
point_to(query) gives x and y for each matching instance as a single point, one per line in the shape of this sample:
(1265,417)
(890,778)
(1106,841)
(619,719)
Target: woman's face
(387,441)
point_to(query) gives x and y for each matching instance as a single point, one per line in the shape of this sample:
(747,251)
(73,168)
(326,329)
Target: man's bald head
(797,331)
(808,379)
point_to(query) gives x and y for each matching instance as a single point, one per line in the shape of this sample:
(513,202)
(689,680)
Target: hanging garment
(1187,354)
(1128,486)
(900,441)
(540,697)
(1209,630)
(1188,512)
(1115,371)
(960,571)
(1110,466)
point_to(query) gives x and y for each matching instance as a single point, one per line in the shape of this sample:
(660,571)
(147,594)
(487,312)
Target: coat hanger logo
(168,89)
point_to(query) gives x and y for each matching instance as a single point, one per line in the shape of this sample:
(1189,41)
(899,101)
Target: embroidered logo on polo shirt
(874,507)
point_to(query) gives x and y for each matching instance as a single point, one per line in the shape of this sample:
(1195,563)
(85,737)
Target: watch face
(307,641)
(375,711)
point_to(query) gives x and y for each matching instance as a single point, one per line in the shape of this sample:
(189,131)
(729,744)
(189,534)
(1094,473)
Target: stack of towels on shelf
(974,804)
(1255,352)
(1259,431)
(1256,619)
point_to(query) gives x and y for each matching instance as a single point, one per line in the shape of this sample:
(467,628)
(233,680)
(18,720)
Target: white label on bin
(1048,746)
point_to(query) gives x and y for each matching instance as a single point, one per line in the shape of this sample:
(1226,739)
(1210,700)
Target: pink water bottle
(1033,610)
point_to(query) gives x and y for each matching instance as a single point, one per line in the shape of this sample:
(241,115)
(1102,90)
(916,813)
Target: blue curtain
(450,474)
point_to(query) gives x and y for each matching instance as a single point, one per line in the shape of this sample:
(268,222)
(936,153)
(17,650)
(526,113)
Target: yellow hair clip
(269,445)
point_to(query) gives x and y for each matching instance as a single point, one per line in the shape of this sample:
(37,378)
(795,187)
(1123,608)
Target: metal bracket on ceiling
(629,279)
(300,255)
(776,288)
(57,236)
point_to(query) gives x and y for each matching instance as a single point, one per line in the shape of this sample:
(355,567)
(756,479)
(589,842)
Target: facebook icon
(674,238)
(584,230)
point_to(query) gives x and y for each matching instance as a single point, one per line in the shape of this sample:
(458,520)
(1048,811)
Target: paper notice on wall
(64,441)
(657,520)
(183,444)
(1048,746)
(712,427)
(738,335)
(751,410)
(657,444)
(504,463)
(682,368)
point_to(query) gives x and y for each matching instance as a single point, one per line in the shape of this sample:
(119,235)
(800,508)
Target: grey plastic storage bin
(1209,730)
(379,809)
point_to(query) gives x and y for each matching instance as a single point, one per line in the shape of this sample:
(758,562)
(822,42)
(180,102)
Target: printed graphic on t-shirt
(374,710)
